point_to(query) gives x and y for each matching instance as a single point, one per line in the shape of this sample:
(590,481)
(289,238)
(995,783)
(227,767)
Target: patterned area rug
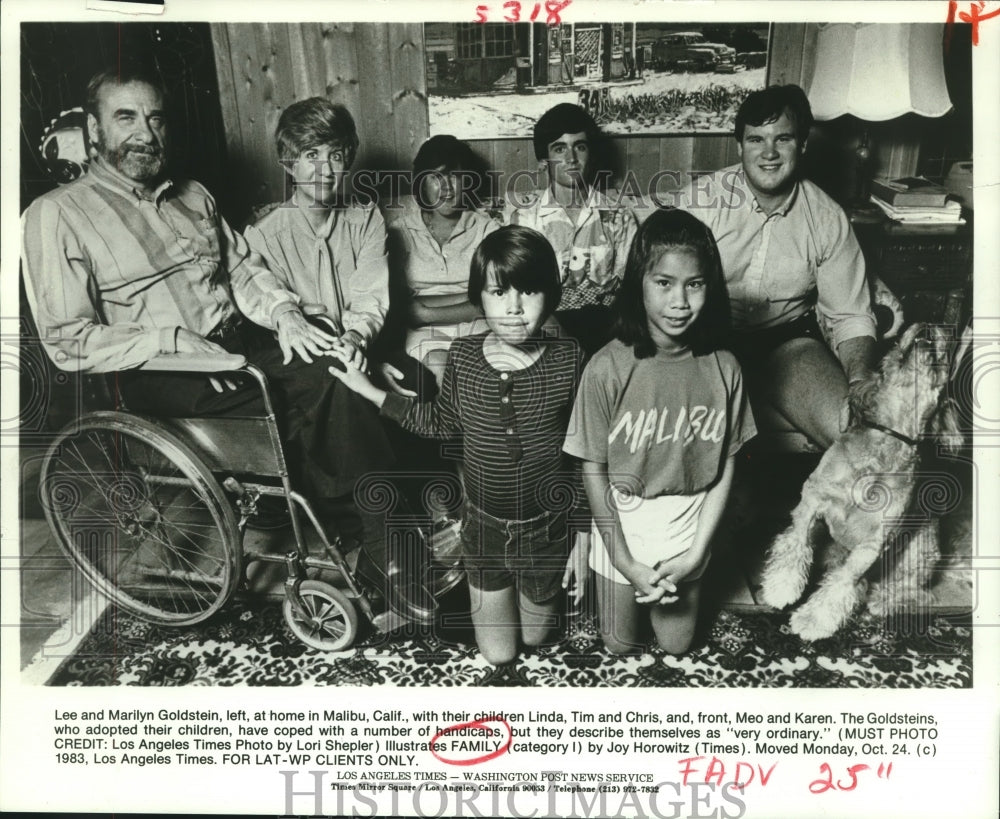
(251,645)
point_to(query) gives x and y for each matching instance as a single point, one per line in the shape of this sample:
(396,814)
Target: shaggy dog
(865,495)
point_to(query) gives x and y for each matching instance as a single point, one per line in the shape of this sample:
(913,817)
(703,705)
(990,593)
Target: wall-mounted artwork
(495,79)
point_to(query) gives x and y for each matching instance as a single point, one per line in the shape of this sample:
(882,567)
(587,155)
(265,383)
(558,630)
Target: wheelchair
(154,512)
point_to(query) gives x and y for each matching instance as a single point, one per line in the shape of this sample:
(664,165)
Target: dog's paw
(811,624)
(778,592)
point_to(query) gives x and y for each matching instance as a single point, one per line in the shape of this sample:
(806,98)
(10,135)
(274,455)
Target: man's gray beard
(137,166)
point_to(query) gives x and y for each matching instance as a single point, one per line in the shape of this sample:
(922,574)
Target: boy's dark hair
(767,105)
(518,257)
(128,71)
(564,118)
(672,229)
(316,121)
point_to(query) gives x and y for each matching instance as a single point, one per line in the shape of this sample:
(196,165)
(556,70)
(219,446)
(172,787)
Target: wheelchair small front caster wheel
(325,618)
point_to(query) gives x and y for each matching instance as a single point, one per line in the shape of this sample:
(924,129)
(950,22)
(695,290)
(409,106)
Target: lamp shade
(879,71)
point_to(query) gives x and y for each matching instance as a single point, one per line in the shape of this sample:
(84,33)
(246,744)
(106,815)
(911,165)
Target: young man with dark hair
(589,231)
(792,266)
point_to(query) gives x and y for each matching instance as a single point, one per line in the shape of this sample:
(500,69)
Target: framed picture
(494,79)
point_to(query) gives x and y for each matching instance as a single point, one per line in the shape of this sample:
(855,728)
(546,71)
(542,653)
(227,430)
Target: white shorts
(655,529)
(423,340)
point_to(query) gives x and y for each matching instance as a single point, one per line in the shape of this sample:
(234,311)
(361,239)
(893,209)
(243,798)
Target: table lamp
(874,72)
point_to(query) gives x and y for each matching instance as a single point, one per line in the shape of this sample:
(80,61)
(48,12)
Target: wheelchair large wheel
(141,515)
(325,619)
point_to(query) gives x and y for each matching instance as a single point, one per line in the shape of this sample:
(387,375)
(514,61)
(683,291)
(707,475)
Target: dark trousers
(331,436)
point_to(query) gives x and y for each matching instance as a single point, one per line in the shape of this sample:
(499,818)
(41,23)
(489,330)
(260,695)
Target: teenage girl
(659,417)
(507,395)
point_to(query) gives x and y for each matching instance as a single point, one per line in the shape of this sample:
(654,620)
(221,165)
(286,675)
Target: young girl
(507,396)
(658,419)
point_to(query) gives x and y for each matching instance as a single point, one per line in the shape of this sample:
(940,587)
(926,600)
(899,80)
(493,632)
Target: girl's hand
(650,589)
(577,569)
(678,568)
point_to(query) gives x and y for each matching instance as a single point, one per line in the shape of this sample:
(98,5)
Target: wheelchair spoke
(143,517)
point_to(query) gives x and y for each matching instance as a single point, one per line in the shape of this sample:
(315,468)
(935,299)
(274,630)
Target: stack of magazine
(917,203)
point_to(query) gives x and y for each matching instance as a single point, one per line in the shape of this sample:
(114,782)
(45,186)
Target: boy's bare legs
(496,620)
(538,619)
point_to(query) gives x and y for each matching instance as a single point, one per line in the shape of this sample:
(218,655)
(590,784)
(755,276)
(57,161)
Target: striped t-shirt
(511,425)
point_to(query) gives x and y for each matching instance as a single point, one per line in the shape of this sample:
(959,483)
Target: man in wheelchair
(127,264)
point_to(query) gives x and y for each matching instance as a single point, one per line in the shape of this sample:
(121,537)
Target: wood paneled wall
(377,71)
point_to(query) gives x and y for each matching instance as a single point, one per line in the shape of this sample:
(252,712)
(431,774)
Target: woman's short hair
(672,229)
(767,105)
(517,257)
(316,121)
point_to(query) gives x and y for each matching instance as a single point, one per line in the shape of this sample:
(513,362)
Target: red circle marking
(476,760)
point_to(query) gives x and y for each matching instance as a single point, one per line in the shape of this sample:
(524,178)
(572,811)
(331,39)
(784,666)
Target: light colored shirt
(430,269)
(342,266)
(591,252)
(663,425)
(779,265)
(112,272)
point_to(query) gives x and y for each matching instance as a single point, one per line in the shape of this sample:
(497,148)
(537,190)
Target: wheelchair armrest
(313,309)
(195,362)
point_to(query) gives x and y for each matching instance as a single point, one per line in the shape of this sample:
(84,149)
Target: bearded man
(126,264)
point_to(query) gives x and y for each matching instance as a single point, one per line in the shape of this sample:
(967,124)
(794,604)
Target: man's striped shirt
(112,273)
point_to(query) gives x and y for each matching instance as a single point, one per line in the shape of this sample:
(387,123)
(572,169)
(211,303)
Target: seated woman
(326,251)
(333,254)
(432,236)
(589,231)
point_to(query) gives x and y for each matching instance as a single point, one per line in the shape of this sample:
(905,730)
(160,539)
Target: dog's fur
(863,495)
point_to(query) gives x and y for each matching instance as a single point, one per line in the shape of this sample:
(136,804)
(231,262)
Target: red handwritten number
(974,15)
(818,785)
(513,9)
(552,8)
(826,783)
(852,772)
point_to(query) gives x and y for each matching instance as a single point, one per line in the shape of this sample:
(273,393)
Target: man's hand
(392,377)
(296,335)
(188,342)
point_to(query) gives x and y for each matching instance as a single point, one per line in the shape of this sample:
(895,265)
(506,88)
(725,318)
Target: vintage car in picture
(690,51)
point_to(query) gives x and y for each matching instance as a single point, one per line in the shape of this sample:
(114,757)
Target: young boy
(333,254)
(588,230)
